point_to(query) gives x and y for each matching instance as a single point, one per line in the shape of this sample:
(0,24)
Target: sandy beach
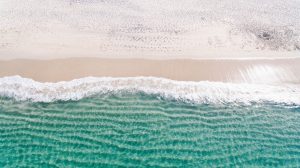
(251,71)
(185,41)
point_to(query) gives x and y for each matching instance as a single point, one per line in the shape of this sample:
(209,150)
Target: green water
(138,130)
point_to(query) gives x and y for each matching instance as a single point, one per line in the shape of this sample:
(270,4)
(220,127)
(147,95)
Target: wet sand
(251,71)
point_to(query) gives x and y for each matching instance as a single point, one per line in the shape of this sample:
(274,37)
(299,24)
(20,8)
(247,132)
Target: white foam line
(199,92)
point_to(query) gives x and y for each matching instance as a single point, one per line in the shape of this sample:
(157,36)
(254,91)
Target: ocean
(244,111)
(112,125)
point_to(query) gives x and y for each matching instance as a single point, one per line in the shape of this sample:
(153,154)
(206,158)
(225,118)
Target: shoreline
(220,55)
(224,70)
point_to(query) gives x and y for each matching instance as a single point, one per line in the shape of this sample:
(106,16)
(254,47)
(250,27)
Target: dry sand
(254,71)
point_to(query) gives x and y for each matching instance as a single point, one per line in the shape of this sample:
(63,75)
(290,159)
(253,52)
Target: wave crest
(199,92)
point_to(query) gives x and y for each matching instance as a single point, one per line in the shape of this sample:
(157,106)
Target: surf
(203,92)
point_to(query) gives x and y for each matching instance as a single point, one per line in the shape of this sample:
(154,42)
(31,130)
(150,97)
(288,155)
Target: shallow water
(138,129)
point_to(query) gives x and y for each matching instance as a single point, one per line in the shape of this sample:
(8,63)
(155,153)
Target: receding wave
(198,92)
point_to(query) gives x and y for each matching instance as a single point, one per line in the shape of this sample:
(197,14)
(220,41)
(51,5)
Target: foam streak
(198,92)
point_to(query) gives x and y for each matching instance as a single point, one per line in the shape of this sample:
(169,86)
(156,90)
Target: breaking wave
(23,89)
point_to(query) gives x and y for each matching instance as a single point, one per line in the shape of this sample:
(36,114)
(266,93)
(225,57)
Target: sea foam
(23,89)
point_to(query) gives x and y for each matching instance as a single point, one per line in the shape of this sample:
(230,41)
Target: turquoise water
(116,130)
